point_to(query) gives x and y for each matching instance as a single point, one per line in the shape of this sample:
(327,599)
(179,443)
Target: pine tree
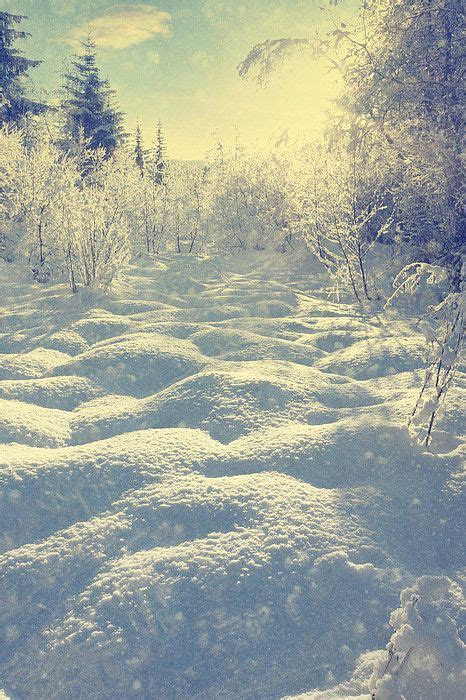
(14,67)
(91,117)
(160,156)
(138,149)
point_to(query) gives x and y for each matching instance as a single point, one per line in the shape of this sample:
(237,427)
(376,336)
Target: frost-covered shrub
(234,201)
(250,203)
(59,222)
(37,182)
(102,242)
(171,215)
(430,205)
(425,654)
(151,210)
(340,225)
(443,326)
(10,158)
(189,206)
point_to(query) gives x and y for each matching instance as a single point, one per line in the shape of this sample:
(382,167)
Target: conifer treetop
(89,104)
(14,67)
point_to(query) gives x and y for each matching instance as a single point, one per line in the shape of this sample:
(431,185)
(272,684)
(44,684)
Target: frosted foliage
(71,227)
(426,655)
(58,221)
(236,201)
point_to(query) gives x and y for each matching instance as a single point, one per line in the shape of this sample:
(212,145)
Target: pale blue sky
(176,60)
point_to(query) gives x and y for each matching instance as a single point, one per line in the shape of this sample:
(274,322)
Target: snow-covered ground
(208,491)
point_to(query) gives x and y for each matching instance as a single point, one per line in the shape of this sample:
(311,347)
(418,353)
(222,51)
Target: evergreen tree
(160,156)
(91,117)
(138,149)
(14,67)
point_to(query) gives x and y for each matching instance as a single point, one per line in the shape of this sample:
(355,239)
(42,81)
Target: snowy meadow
(232,389)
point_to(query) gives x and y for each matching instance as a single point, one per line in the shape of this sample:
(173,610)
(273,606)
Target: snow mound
(234,345)
(377,357)
(207,490)
(51,392)
(30,365)
(229,401)
(140,363)
(67,341)
(44,491)
(100,324)
(195,566)
(33,425)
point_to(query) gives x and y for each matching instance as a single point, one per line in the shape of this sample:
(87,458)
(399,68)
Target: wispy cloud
(124,25)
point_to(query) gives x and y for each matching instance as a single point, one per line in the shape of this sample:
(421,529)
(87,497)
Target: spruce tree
(160,157)
(91,118)
(138,149)
(14,68)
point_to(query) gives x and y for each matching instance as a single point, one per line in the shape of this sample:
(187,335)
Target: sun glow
(293,106)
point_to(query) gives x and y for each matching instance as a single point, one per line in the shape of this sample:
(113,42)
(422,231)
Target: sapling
(443,326)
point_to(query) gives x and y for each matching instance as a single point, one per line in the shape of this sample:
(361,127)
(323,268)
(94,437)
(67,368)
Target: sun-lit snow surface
(207,491)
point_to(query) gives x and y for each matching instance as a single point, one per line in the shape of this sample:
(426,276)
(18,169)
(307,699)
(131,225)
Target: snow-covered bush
(250,203)
(172,214)
(235,201)
(10,158)
(103,241)
(37,183)
(58,221)
(339,224)
(188,212)
(151,209)
(425,654)
(443,326)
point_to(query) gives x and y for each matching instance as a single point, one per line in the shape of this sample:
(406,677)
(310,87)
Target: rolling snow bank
(207,492)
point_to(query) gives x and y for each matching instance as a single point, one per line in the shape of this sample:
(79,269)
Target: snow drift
(207,492)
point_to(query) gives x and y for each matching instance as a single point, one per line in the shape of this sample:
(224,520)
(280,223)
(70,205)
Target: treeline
(388,175)
(60,221)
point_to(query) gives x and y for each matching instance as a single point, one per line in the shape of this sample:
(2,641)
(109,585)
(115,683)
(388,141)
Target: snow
(377,357)
(32,425)
(65,392)
(207,490)
(142,363)
(425,657)
(30,365)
